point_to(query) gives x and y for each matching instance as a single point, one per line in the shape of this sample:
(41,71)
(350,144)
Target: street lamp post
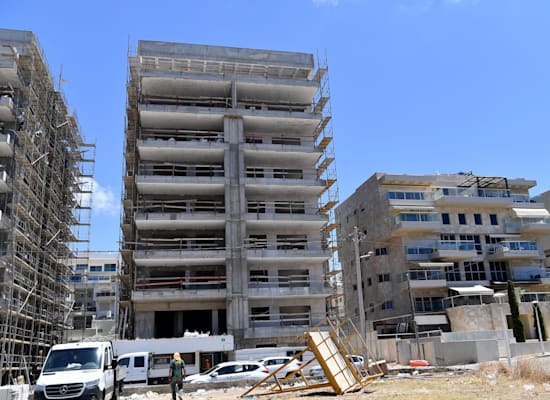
(539,330)
(499,297)
(360,298)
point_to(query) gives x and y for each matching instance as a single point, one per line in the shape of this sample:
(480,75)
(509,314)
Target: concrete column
(215,322)
(235,229)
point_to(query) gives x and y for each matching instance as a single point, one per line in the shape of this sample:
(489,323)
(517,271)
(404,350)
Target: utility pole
(360,299)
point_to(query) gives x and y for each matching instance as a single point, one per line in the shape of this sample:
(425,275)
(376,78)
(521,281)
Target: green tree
(538,312)
(517,325)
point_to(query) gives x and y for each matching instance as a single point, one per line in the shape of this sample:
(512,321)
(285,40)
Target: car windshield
(72,359)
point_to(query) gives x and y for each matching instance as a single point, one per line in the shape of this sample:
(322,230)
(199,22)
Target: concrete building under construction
(228,193)
(45,185)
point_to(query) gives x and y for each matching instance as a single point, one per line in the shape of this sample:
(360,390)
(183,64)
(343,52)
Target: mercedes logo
(63,389)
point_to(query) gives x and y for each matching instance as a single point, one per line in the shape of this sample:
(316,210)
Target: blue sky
(418,86)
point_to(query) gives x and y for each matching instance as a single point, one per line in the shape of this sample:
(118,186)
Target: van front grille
(64,391)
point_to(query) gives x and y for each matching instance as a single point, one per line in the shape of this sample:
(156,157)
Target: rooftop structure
(45,187)
(228,193)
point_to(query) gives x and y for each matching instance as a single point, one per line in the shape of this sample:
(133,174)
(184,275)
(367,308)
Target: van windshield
(73,359)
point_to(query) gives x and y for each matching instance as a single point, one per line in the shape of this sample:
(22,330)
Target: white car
(357,361)
(231,371)
(274,363)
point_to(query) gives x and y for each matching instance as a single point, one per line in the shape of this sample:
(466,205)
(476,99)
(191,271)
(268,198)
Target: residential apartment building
(437,242)
(544,241)
(46,171)
(96,288)
(228,193)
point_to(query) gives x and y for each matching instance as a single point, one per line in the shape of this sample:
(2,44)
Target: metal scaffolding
(47,172)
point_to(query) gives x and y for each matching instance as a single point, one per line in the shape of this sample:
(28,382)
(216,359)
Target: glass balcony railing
(459,245)
(416,217)
(425,275)
(507,246)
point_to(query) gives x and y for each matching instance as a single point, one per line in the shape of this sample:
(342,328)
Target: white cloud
(333,3)
(104,201)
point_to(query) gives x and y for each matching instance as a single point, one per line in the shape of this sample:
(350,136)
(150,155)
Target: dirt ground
(478,385)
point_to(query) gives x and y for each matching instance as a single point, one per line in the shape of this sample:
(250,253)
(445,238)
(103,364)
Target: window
(81,267)
(452,272)
(462,219)
(109,267)
(382,251)
(139,362)
(95,268)
(387,305)
(384,277)
(498,271)
(369,281)
(493,218)
(466,243)
(428,304)
(445,219)
(477,219)
(474,270)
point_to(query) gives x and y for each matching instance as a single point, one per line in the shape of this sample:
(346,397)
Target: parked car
(231,371)
(317,371)
(274,363)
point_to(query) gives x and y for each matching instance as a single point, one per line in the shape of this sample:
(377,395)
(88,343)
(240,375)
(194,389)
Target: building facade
(228,197)
(45,186)
(96,292)
(439,241)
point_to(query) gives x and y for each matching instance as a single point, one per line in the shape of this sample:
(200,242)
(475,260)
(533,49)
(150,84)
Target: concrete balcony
(281,215)
(426,279)
(163,295)
(406,222)
(282,154)
(514,250)
(181,220)
(175,257)
(267,182)
(8,68)
(454,250)
(6,144)
(191,147)
(7,112)
(472,196)
(273,289)
(269,255)
(4,182)
(277,325)
(180,288)
(198,185)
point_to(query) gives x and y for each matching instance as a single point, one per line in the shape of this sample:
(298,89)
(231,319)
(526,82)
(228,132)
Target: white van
(78,371)
(138,367)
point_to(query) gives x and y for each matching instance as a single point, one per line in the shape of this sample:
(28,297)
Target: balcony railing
(182,283)
(471,192)
(515,246)
(280,320)
(178,206)
(468,300)
(425,275)
(190,244)
(459,245)
(173,136)
(181,170)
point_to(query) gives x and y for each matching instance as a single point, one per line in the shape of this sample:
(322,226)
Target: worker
(176,374)
(207,364)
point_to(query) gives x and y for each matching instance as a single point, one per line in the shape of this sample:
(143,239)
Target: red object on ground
(419,363)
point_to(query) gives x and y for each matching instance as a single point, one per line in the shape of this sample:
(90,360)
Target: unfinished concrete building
(439,242)
(45,182)
(229,190)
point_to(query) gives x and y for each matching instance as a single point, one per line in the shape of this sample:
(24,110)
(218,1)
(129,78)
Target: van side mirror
(114,363)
